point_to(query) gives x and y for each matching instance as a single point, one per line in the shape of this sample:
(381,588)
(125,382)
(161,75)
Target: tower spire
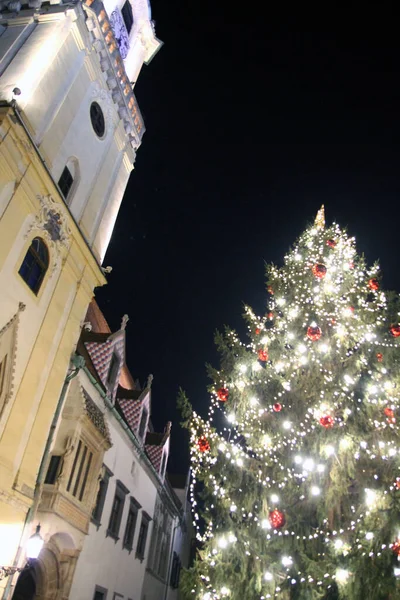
(320,218)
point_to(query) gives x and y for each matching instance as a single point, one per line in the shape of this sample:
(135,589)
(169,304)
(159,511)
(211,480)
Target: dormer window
(143,423)
(113,371)
(127,15)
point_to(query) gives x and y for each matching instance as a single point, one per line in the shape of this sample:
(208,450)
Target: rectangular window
(101,495)
(143,422)
(80,471)
(127,15)
(144,528)
(175,571)
(76,457)
(131,524)
(100,593)
(117,510)
(113,370)
(65,182)
(53,470)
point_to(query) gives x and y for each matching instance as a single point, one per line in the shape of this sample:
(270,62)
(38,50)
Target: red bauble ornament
(373,284)
(277,519)
(223,394)
(389,412)
(396,548)
(327,421)
(203,444)
(379,356)
(314,333)
(395,330)
(277,407)
(270,316)
(351,308)
(270,290)
(262,355)
(331,243)
(397,483)
(258,331)
(351,265)
(319,270)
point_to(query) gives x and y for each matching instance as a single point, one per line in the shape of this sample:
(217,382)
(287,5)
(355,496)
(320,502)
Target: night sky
(250,128)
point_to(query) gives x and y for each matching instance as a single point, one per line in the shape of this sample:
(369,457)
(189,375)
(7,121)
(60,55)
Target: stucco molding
(51,221)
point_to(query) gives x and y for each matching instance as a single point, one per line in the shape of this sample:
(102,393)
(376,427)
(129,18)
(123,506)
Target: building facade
(70,127)
(112,524)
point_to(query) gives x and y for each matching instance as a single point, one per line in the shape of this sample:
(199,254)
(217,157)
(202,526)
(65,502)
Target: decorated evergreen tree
(297,494)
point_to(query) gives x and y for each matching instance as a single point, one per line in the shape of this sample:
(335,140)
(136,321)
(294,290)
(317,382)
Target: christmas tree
(296,486)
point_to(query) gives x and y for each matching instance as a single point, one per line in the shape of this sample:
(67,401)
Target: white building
(113,526)
(71,68)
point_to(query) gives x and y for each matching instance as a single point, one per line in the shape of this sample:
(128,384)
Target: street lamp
(33,548)
(34,545)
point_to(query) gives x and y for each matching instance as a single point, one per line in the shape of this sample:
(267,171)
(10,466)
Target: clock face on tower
(120,32)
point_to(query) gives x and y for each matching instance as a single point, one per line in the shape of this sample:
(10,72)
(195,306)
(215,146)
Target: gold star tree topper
(320,218)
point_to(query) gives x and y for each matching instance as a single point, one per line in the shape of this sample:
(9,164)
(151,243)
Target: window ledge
(96,523)
(139,557)
(126,547)
(150,570)
(112,535)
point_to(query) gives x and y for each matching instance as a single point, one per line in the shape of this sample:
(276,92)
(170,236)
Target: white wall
(59,76)
(103,561)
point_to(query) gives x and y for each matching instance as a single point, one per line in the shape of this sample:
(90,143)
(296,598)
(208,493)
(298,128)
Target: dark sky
(250,128)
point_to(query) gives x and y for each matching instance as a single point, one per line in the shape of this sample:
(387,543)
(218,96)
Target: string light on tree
(300,479)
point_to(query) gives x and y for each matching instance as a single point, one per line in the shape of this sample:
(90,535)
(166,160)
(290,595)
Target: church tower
(70,127)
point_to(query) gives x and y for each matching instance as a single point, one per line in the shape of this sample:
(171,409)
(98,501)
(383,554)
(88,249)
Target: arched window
(35,264)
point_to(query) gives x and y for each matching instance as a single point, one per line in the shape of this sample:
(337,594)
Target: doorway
(26,585)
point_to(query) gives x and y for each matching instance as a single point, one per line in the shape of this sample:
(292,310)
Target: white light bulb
(243,368)
(221,447)
(329,450)
(396,571)
(281,301)
(239,462)
(274,499)
(233,508)
(222,542)
(231,418)
(302,348)
(369,535)
(309,464)
(268,576)
(315,490)
(363,445)
(370,497)
(338,544)
(297,256)
(287,561)
(225,591)
(253,401)
(257,366)
(342,575)
(232,538)
(298,459)
(324,348)
(287,424)
(265,524)
(321,468)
